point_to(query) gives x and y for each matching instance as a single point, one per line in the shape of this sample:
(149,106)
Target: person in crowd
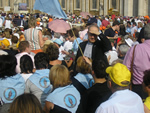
(58,43)
(26,103)
(34,36)
(95,47)
(146,83)
(67,45)
(111,32)
(134,28)
(84,73)
(53,53)
(99,92)
(74,39)
(14,41)
(7,23)
(24,49)
(26,66)
(99,23)
(140,26)
(16,21)
(128,28)
(122,99)
(105,22)
(122,50)
(65,97)
(39,83)
(11,83)
(141,51)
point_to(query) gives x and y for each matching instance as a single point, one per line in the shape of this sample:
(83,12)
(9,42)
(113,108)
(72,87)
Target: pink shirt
(105,23)
(18,56)
(82,34)
(141,61)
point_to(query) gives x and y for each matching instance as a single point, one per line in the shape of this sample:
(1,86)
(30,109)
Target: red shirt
(105,23)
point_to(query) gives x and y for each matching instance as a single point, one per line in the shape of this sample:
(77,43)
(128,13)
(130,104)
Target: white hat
(17,35)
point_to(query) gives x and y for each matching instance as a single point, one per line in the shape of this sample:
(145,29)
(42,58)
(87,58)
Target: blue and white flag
(51,7)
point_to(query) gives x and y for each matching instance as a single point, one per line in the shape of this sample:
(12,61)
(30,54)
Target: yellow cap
(119,73)
(5,42)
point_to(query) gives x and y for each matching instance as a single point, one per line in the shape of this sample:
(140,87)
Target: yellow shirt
(147,102)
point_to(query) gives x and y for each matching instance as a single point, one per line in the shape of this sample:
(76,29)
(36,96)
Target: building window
(27,3)
(77,4)
(114,4)
(63,2)
(94,4)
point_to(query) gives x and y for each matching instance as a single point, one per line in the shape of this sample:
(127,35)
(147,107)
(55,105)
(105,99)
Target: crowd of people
(102,65)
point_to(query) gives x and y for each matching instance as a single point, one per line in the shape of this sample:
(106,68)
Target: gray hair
(124,48)
(57,35)
(147,31)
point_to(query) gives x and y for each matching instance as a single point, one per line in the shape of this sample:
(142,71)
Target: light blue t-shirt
(66,97)
(75,45)
(11,87)
(85,79)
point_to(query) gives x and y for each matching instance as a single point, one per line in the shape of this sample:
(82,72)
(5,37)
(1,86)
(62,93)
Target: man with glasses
(96,45)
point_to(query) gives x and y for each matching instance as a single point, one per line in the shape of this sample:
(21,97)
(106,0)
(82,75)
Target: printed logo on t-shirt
(91,82)
(10,94)
(70,101)
(44,82)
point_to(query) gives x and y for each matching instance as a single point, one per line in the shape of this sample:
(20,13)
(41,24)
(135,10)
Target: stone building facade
(95,7)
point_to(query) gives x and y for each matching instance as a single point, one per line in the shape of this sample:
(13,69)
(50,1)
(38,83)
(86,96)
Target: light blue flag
(51,7)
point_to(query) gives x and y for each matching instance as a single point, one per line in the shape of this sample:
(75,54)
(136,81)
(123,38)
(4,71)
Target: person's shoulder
(83,43)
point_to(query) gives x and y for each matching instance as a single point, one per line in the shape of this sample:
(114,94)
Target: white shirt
(123,101)
(1,22)
(18,56)
(67,45)
(26,76)
(133,30)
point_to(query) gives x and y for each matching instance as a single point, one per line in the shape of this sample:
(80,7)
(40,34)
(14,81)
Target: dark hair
(146,78)
(99,68)
(26,103)
(146,31)
(115,23)
(53,52)
(76,32)
(7,66)
(134,23)
(129,22)
(23,45)
(26,64)
(14,39)
(41,60)
(122,30)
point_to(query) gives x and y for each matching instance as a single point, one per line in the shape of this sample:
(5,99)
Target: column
(141,8)
(105,7)
(71,6)
(87,6)
(67,6)
(83,6)
(128,4)
(121,7)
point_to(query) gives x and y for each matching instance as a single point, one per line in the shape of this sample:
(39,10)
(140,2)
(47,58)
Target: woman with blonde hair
(65,98)
(84,73)
(34,36)
(26,103)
